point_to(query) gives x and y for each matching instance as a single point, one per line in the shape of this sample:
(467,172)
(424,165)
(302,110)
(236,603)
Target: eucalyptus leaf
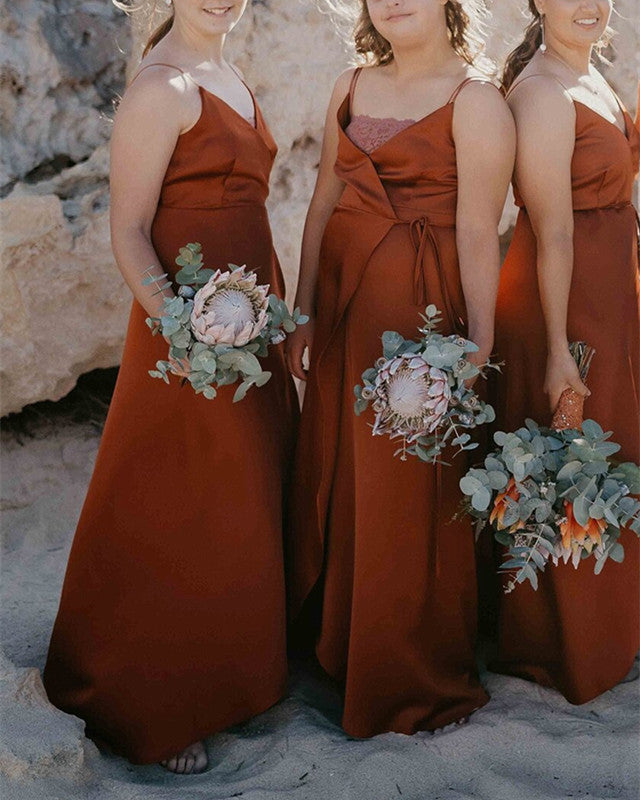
(481,499)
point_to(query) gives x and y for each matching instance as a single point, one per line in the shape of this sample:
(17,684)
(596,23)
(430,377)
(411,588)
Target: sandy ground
(528,743)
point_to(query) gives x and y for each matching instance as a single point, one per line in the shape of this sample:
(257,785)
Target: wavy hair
(518,59)
(152,18)
(465,25)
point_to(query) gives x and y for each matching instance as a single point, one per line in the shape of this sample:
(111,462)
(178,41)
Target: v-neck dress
(172,619)
(373,547)
(579,632)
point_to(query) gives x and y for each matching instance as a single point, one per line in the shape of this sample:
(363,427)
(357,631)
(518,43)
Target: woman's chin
(583,35)
(218,25)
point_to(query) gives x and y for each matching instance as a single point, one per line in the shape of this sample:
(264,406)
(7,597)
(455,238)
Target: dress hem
(443,718)
(542,678)
(169,752)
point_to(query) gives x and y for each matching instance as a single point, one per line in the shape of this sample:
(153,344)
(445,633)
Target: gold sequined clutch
(569,412)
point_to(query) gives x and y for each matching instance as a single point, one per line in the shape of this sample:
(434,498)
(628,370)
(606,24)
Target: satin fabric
(372,535)
(579,632)
(172,618)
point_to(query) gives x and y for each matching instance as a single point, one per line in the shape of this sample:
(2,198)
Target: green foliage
(547,469)
(449,354)
(211,367)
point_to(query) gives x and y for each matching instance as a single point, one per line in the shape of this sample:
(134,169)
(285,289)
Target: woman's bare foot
(190,761)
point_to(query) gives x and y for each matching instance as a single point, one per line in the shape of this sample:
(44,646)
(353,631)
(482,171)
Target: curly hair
(152,17)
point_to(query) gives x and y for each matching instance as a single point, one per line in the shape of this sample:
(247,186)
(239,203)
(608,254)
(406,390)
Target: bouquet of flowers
(419,394)
(554,493)
(221,322)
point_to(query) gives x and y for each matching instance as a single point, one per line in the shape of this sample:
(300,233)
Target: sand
(528,743)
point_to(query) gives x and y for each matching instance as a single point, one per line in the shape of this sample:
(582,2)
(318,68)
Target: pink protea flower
(410,397)
(230,309)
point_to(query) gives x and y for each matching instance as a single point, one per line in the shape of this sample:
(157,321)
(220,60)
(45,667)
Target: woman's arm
(484,133)
(156,108)
(545,121)
(326,194)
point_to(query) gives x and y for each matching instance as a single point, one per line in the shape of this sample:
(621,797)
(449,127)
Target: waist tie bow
(422,233)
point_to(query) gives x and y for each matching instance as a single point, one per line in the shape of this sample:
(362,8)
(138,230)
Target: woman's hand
(479,359)
(562,373)
(297,342)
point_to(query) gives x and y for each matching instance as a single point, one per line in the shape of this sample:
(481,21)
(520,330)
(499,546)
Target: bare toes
(191,760)
(201,762)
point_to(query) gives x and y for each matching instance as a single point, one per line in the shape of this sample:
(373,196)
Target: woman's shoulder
(539,82)
(478,92)
(476,83)
(155,89)
(158,81)
(158,86)
(538,100)
(343,82)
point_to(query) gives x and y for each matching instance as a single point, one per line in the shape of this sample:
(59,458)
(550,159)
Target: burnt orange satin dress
(394,577)
(172,619)
(579,632)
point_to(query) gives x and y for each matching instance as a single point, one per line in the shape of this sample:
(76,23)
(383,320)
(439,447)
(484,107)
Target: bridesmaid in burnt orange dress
(405,213)
(571,274)
(172,619)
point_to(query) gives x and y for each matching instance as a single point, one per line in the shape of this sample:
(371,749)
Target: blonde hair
(153,19)
(465,25)
(518,59)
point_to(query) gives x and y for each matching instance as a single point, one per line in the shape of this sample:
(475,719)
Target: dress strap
(621,105)
(352,85)
(470,79)
(514,86)
(159,64)
(237,72)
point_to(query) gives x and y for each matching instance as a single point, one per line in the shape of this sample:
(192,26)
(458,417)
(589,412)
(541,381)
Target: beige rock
(63,307)
(39,741)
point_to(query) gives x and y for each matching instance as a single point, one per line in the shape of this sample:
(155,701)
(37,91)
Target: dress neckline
(414,124)
(625,116)
(383,119)
(253,125)
(203,91)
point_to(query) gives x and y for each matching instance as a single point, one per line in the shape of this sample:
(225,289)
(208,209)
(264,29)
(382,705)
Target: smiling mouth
(217,12)
(587,22)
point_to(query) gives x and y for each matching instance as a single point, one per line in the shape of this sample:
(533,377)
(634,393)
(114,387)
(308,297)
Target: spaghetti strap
(352,85)
(470,79)
(514,86)
(240,78)
(621,105)
(159,64)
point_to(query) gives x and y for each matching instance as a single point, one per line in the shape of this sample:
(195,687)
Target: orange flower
(572,531)
(500,506)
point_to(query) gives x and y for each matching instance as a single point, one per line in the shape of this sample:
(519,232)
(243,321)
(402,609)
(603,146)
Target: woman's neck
(577,58)
(434,57)
(196,47)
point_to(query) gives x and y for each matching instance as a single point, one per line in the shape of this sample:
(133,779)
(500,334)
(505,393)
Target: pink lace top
(369,133)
